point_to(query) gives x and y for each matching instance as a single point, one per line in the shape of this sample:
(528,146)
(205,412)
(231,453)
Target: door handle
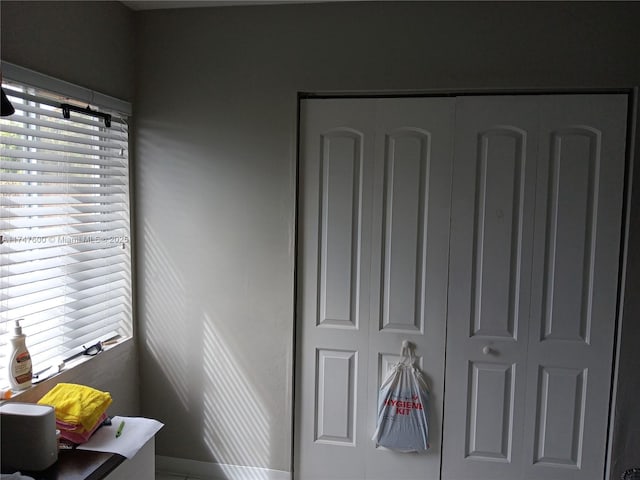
(487,350)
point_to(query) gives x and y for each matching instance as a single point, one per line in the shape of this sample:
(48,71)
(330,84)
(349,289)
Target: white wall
(215,148)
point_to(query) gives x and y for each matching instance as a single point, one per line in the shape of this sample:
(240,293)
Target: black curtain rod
(67,109)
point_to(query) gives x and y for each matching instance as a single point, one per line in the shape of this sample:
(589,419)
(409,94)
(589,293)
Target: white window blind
(65,251)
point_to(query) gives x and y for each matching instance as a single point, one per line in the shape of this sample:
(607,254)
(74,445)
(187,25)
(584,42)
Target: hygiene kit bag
(403,414)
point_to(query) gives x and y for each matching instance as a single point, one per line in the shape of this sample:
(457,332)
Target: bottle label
(22,370)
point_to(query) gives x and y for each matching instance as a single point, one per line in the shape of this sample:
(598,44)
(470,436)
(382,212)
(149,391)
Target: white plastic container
(20,369)
(28,433)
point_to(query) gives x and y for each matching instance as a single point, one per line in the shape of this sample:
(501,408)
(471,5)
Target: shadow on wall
(226,411)
(236,424)
(196,379)
(166,316)
(165,333)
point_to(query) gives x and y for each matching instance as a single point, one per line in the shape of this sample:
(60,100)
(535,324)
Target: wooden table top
(77,465)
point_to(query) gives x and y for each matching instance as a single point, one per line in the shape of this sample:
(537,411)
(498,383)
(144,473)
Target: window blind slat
(76,309)
(57,298)
(61,189)
(30,155)
(22,118)
(54,291)
(60,147)
(32,272)
(74,332)
(78,228)
(31,223)
(33,167)
(54,278)
(90,138)
(47,352)
(64,178)
(33,211)
(108,257)
(10,213)
(45,200)
(74,327)
(23,257)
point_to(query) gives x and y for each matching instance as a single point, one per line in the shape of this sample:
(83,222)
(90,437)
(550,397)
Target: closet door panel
(490,267)
(534,297)
(334,247)
(410,243)
(373,239)
(575,285)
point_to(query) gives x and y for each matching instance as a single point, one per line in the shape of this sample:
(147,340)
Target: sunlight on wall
(165,336)
(236,425)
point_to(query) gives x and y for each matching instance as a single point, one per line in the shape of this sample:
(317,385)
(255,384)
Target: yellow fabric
(77,404)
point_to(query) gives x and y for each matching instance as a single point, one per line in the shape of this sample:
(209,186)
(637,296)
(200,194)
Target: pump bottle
(20,370)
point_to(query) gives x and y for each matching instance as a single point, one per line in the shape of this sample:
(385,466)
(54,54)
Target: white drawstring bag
(403,408)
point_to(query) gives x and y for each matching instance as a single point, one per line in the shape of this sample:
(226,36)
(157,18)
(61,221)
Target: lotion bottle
(20,370)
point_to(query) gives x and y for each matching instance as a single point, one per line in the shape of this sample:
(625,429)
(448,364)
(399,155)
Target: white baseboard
(216,471)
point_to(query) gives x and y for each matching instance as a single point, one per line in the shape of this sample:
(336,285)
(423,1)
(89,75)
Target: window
(65,245)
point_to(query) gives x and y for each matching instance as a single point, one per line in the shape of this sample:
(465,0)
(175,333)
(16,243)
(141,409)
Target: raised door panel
(490,411)
(560,416)
(497,235)
(406,184)
(339,219)
(335,396)
(386,362)
(572,206)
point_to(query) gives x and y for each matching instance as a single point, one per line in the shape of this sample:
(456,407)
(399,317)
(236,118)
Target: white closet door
(536,218)
(375,179)
(575,285)
(492,214)
(333,268)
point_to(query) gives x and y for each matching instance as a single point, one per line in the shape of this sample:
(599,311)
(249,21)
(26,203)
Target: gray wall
(216,133)
(89,44)
(215,153)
